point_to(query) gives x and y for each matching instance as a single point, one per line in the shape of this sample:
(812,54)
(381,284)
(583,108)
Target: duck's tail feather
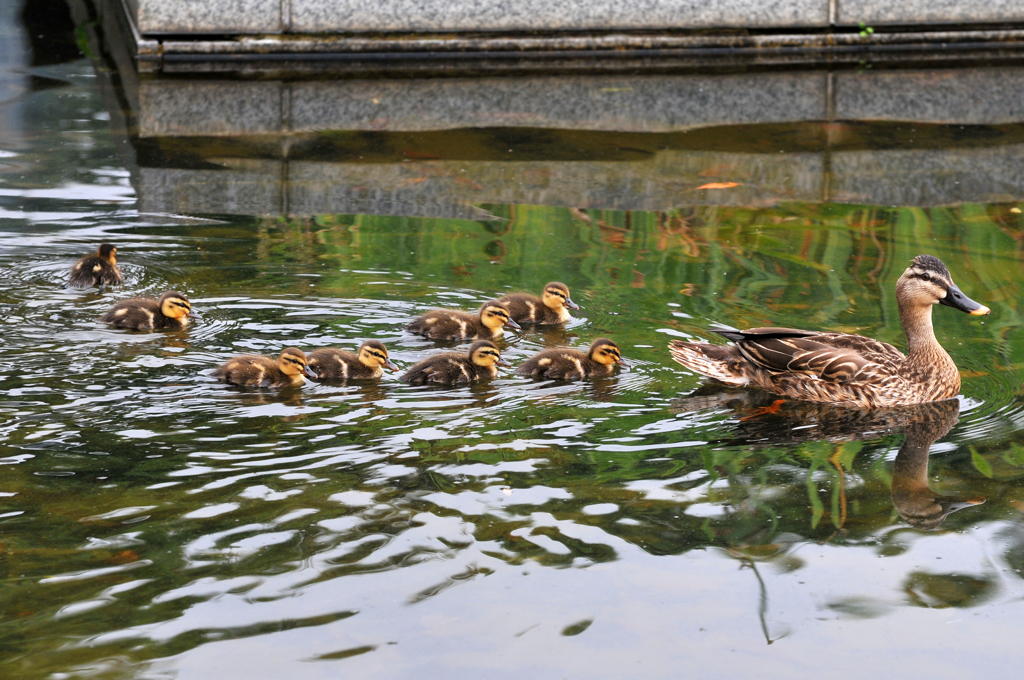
(721,362)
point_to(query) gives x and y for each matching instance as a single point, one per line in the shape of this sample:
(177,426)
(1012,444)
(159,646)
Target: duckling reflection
(913,499)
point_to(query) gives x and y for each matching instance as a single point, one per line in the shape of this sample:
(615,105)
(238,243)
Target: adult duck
(840,367)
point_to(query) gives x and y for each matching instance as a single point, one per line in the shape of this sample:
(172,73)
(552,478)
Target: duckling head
(176,306)
(485,353)
(374,354)
(556,296)
(495,314)
(606,352)
(108,253)
(293,362)
(927,282)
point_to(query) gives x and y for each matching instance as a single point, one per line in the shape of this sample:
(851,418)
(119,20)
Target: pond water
(155,523)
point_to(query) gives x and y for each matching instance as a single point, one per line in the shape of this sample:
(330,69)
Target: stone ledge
(650,103)
(198,17)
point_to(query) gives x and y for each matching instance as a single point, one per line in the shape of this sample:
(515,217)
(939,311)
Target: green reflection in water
(139,509)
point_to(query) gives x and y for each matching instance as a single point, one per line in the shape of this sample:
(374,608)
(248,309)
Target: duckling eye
(926,276)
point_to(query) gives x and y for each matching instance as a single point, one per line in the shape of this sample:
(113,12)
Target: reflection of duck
(172,310)
(254,370)
(843,368)
(913,499)
(452,368)
(97,270)
(337,364)
(572,364)
(453,324)
(552,307)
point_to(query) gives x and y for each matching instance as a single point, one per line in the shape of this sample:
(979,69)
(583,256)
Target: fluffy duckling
(572,364)
(552,307)
(337,364)
(97,270)
(452,368)
(254,370)
(452,324)
(172,310)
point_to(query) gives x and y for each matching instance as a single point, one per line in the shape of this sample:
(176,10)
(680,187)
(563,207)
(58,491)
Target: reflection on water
(157,523)
(914,499)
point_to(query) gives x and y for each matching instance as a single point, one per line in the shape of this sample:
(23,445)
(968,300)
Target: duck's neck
(923,350)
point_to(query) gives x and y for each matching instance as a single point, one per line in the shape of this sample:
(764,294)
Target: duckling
(97,270)
(254,370)
(552,307)
(843,368)
(172,310)
(572,364)
(337,364)
(452,368)
(453,324)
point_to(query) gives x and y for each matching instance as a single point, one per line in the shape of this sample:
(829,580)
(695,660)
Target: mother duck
(842,368)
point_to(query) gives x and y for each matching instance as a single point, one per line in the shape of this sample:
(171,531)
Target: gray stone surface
(154,17)
(502,15)
(966,96)
(208,16)
(176,107)
(881,12)
(180,107)
(640,104)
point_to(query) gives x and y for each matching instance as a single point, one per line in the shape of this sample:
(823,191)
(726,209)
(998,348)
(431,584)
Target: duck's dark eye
(926,276)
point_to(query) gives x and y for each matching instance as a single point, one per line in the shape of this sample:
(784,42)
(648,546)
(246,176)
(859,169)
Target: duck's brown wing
(835,357)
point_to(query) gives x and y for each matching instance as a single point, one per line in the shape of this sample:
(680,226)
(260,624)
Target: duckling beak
(502,362)
(512,324)
(310,373)
(391,364)
(622,362)
(956,299)
(570,304)
(193,314)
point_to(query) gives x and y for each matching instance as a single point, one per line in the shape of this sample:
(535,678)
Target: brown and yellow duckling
(552,307)
(172,310)
(452,368)
(572,364)
(255,370)
(99,269)
(453,324)
(839,367)
(338,364)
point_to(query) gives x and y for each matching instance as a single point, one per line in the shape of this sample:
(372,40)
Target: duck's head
(108,253)
(495,314)
(606,352)
(556,296)
(374,354)
(293,362)
(176,306)
(927,282)
(485,353)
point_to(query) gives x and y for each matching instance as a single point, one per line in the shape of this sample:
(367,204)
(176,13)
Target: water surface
(157,523)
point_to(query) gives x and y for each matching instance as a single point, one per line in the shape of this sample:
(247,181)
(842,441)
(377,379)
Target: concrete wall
(651,103)
(155,17)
